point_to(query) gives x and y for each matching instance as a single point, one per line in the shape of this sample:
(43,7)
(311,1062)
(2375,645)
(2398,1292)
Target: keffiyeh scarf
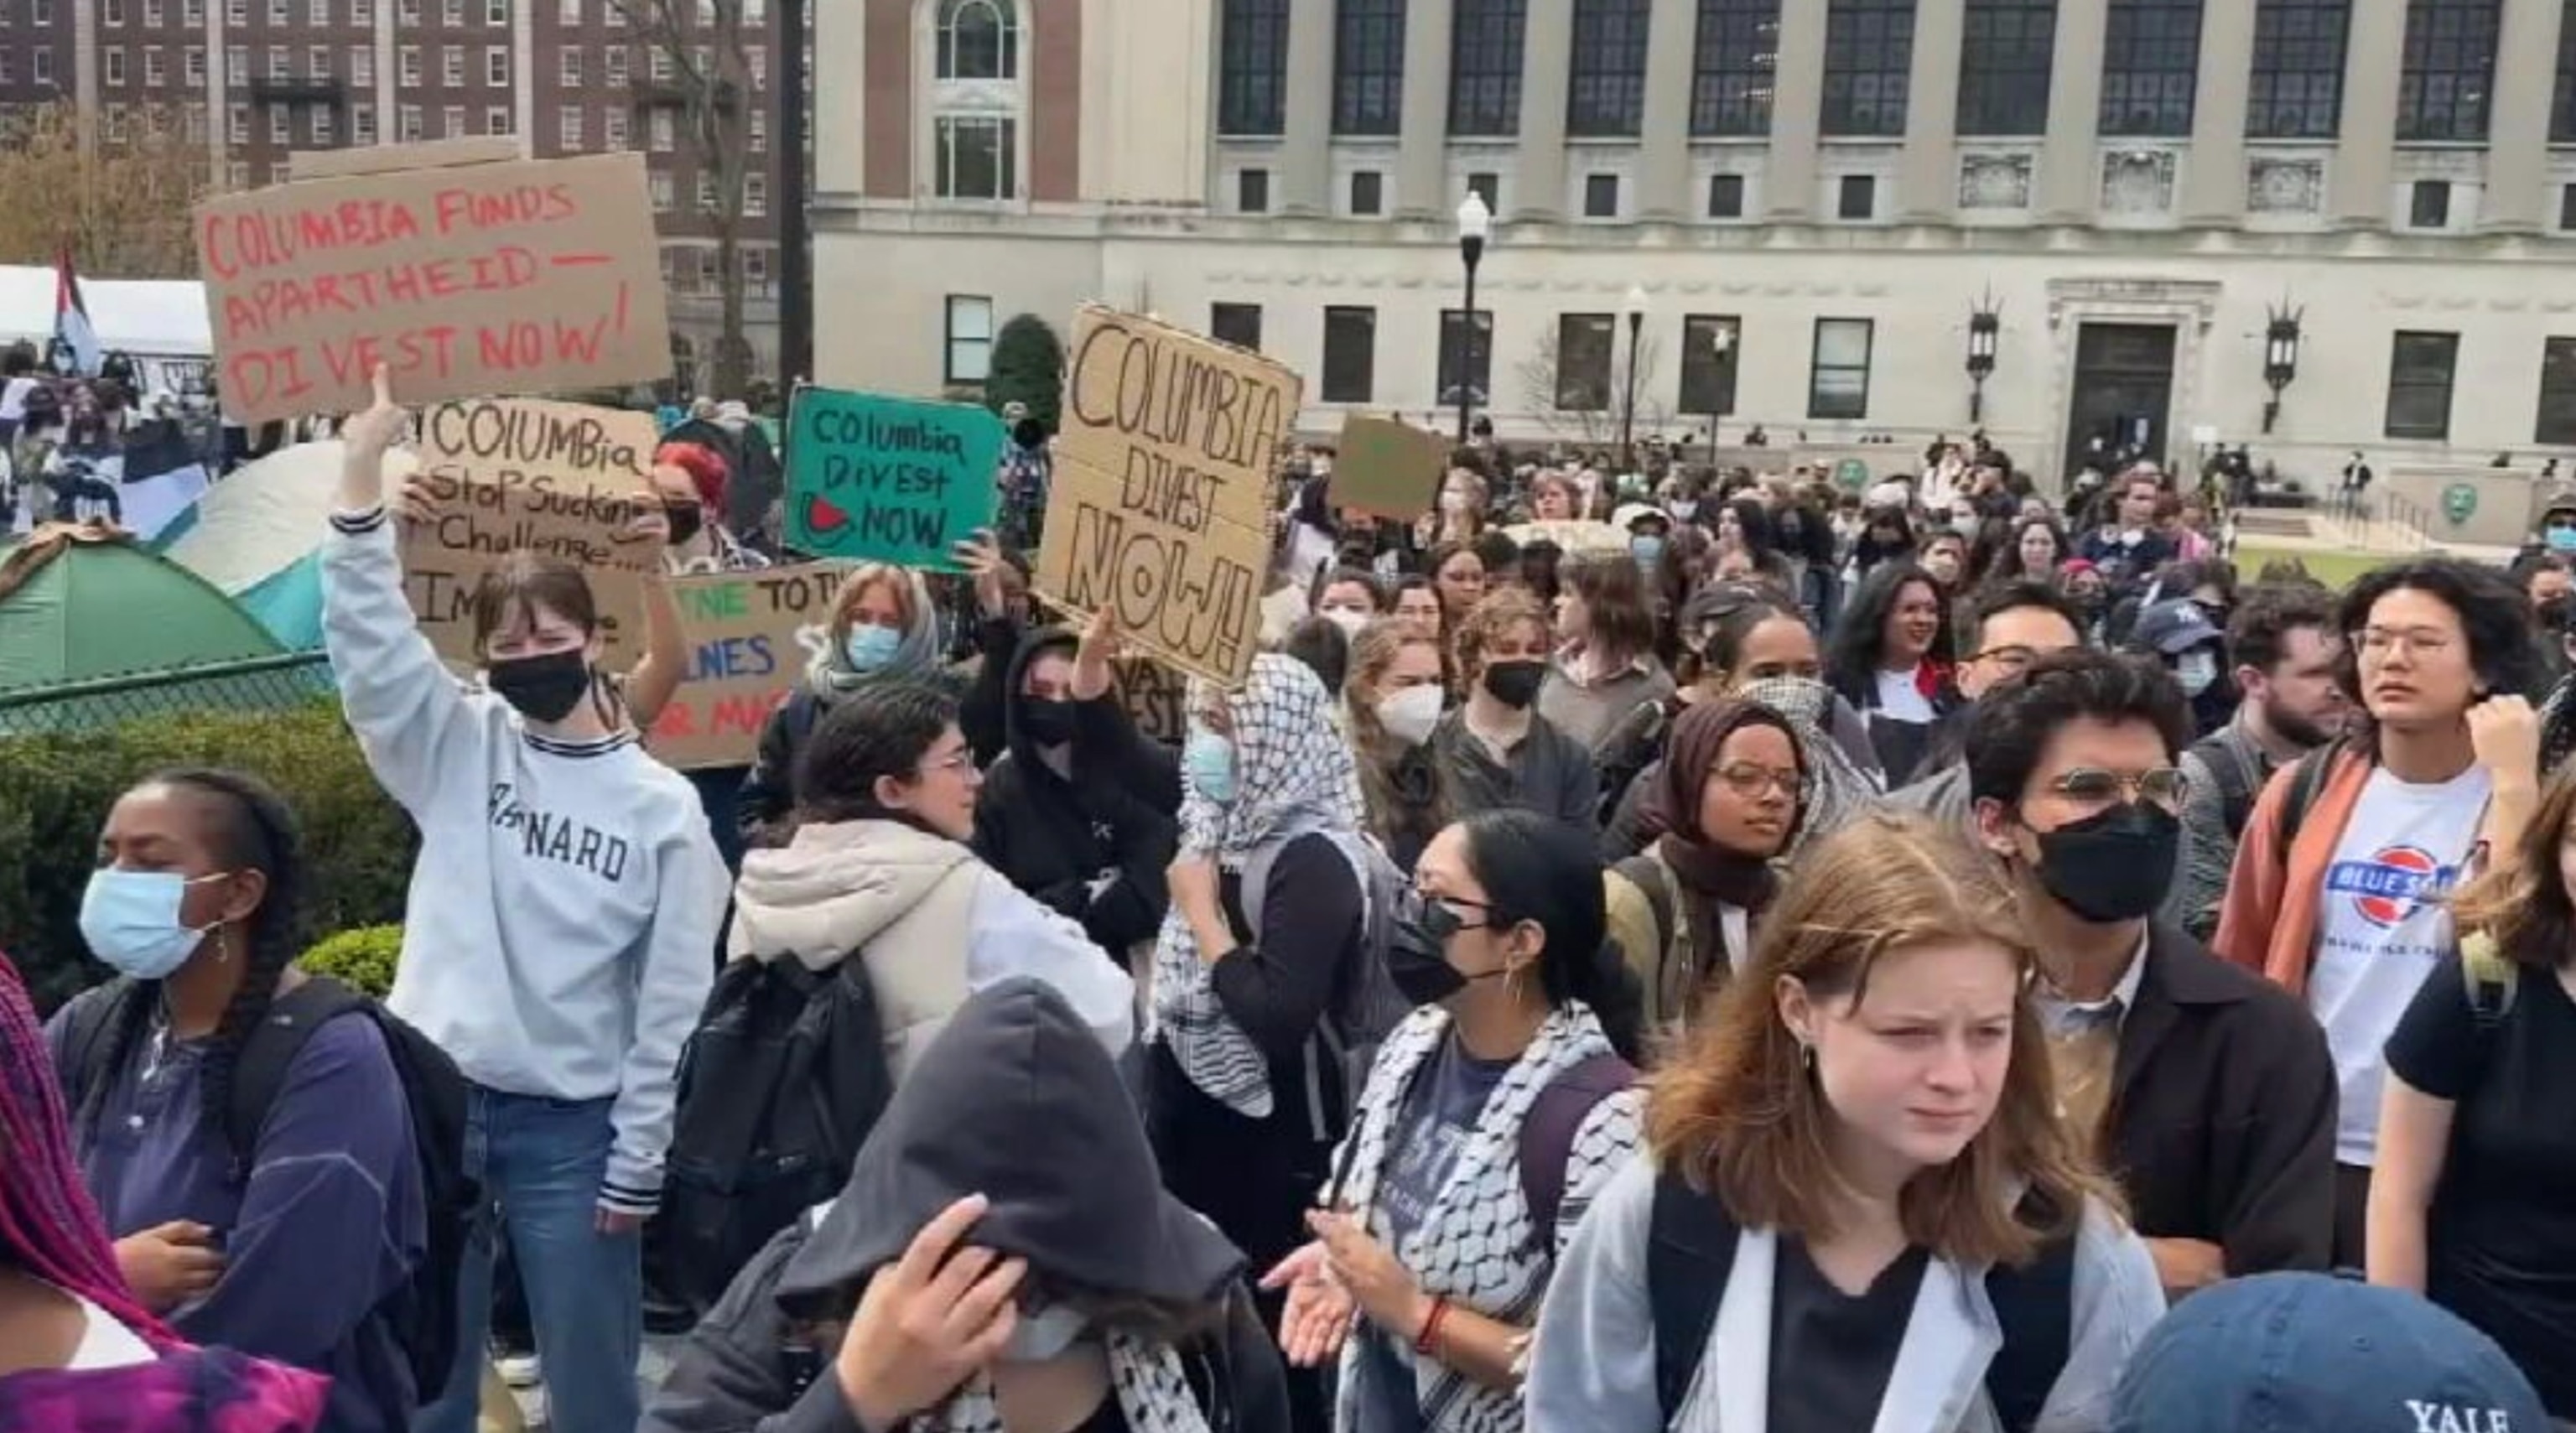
(1837,789)
(1146,1379)
(1293,776)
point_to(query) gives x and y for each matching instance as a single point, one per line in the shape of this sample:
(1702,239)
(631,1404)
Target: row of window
(362,13)
(116,68)
(2423,367)
(2149,79)
(1855,195)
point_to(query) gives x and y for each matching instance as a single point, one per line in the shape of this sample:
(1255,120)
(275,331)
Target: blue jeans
(540,1162)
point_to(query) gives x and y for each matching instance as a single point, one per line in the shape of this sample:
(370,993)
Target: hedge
(55,792)
(362,959)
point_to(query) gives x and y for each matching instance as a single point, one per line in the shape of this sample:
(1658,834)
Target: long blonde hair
(1740,1116)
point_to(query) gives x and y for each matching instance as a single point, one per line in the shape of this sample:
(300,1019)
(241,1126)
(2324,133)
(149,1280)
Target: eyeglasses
(2012,660)
(1746,779)
(960,761)
(2377,642)
(2163,785)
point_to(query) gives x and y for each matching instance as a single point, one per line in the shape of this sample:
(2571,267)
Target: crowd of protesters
(1664,949)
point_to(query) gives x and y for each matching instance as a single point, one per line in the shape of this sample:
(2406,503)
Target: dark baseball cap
(2173,627)
(2306,1353)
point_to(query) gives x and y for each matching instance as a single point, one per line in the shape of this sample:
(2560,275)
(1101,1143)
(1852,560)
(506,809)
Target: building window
(317,13)
(453,12)
(662,132)
(1368,192)
(664,190)
(156,67)
(362,13)
(1606,91)
(970,338)
(237,124)
(1463,362)
(2567,208)
(1368,66)
(496,68)
(978,40)
(317,62)
(2557,425)
(613,63)
(281,124)
(755,196)
(451,66)
(319,124)
(2005,62)
(1485,38)
(362,124)
(40,66)
(362,65)
(614,133)
(277,14)
(2429,204)
(1237,324)
(1350,354)
(755,270)
(1726,196)
(451,121)
(1708,364)
(2296,88)
(113,66)
(155,14)
(1601,196)
(706,192)
(759,128)
(8,67)
(1734,55)
(568,128)
(1856,197)
(2449,72)
(407,123)
(1838,383)
(978,156)
(1488,187)
(1583,344)
(115,12)
(1869,57)
(192,13)
(2150,64)
(569,67)
(1252,80)
(496,12)
(2419,384)
(192,67)
(408,62)
(1252,191)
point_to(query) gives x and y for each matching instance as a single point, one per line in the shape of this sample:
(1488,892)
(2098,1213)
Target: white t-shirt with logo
(1899,699)
(2383,925)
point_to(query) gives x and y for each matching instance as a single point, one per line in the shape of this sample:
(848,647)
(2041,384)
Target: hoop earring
(1807,1056)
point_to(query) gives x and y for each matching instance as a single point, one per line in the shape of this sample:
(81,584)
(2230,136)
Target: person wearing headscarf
(1001,1244)
(1269,909)
(883,629)
(1724,806)
(77,1350)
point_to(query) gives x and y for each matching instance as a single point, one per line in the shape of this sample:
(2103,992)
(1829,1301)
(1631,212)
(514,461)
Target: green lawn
(2335,569)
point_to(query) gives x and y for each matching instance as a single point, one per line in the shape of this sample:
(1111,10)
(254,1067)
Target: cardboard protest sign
(561,480)
(1161,506)
(520,277)
(1156,698)
(1388,468)
(880,479)
(750,636)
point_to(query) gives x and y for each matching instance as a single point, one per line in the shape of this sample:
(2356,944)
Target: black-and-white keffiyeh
(1837,788)
(1293,775)
(1147,1380)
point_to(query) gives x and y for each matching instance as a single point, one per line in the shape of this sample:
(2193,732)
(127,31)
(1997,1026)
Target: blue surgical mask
(1207,760)
(870,647)
(2197,671)
(131,921)
(2560,539)
(1647,548)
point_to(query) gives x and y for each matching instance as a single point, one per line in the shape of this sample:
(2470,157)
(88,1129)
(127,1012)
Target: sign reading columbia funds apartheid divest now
(1163,477)
(878,479)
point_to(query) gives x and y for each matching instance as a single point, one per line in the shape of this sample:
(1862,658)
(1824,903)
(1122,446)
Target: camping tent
(255,533)
(80,604)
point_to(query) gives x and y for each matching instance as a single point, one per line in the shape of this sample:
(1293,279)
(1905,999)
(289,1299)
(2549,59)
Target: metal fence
(255,685)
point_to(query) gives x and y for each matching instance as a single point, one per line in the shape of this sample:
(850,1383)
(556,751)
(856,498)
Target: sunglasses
(2164,786)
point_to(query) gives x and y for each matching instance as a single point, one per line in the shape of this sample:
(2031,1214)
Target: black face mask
(2552,615)
(686,519)
(2113,866)
(1046,722)
(544,689)
(1515,683)
(1416,959)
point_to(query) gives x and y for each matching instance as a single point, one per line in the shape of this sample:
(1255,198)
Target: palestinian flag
(71,317)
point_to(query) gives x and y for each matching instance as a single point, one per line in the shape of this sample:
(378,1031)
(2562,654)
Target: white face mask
(1043,1335)
(2197,671)
(1349,619)
(1410,715)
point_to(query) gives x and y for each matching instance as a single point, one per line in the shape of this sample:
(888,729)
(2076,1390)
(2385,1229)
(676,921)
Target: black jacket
(769,788)
(2222,1117)
(1015,1100)
(1550,773)
(1055,836)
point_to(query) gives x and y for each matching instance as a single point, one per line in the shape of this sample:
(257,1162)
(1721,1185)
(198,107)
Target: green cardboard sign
(1388,468)
(878,479)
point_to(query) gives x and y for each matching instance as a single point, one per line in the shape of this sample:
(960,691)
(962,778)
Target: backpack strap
(87,1024)
(1647,874)
(1690,1251)
(2034,1305)
(259,1070)
(2307,783)
(2238,777)
(1554,1118)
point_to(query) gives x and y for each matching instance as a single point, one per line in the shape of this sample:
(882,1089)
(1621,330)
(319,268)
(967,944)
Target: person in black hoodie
(1003,1258)
(1054,816)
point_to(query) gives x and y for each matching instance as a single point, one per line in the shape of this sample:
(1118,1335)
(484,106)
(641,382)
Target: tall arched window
(1736,50)
(1606,92)
(978,40)
(1869,62)
(2447,81)
(1368,66)
(1485,68)
(2296,88)
(1252,68)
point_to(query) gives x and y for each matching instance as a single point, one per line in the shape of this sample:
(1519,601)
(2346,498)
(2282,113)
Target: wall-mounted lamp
(2280,357)
(1985,325)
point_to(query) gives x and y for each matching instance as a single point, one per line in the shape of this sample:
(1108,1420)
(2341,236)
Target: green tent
(95,629)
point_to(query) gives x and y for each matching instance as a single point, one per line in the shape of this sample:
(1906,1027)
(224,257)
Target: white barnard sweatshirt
(560,934)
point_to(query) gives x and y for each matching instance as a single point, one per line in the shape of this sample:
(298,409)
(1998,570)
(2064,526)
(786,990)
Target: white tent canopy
(158,318)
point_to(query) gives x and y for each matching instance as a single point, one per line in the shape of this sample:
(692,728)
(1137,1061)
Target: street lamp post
(1475,221)
(1635,309)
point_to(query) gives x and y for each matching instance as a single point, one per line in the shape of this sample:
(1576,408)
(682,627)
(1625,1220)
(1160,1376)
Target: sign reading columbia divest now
(880,479)
(525,276)
(559,480)
(1163,478)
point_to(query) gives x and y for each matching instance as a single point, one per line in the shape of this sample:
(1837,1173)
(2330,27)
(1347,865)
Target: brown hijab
(1708,872)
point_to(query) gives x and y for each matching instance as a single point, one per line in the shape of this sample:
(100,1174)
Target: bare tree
(1584,408)
(118,198)
(702,41)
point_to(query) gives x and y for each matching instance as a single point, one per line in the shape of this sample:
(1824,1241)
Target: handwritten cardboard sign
(558,479)
(750,636)
(523,277)
(1388,468)
(1161,504)
(1156,699)
(880,479)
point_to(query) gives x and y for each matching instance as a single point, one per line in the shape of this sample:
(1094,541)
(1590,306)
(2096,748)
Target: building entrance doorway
(2123,398)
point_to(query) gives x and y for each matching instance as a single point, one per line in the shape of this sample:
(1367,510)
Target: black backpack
(778,1087)
(1690,1250)
(2240,778)
(423,1312)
